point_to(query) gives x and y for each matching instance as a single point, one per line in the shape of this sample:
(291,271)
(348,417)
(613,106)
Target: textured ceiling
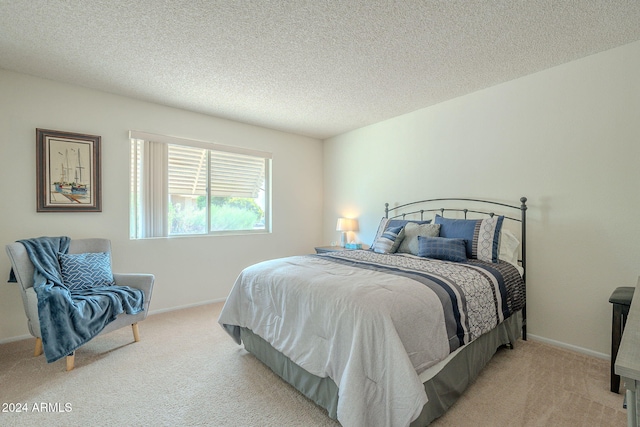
(311,67)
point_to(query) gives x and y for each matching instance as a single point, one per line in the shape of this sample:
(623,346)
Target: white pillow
(508,245)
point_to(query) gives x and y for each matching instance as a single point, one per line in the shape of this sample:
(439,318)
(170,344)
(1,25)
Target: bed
(393,335)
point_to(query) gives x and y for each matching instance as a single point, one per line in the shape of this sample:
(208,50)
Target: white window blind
(236,175)
(232,174)
(187,170)
(175,183)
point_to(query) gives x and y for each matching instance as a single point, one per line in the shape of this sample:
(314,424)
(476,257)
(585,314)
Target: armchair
(24,272)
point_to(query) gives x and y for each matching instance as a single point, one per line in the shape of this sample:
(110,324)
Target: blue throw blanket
(70,318)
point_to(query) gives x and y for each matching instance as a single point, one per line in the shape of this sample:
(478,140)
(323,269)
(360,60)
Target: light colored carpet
(186,371)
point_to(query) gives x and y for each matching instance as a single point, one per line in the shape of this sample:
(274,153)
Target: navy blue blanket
(70,318)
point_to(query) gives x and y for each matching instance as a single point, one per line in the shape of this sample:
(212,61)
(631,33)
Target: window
(181,187)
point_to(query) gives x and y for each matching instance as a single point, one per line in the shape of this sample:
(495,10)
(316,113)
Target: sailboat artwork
(68,172)
(72,188)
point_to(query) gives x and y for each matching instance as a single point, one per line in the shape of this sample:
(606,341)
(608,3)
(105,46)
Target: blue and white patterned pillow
(442,248)
(389,240)
(82,271)
(482,235)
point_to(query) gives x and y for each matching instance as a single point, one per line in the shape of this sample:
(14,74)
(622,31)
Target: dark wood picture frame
(68,172)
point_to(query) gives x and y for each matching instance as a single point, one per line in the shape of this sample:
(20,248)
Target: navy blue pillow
(442,248)
(482,235)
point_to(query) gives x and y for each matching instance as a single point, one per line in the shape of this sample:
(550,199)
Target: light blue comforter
(70,318)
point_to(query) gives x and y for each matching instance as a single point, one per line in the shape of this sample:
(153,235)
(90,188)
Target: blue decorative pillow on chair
(82,271)
(442,248)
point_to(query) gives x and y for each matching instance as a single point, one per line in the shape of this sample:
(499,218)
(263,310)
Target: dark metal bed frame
(399,212)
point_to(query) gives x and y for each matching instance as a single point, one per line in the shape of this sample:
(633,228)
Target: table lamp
(346,225)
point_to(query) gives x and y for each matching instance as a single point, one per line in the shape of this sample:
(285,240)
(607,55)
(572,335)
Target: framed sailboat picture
(68,172)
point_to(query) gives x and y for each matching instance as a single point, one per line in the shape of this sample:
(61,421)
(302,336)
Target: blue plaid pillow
(82,271)
(442,248)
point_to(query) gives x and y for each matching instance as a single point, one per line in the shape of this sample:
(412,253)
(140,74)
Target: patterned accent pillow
(381,227)
(386,222)
(83,271)
(389,241)
(411,233)
(482,235)
(442,248)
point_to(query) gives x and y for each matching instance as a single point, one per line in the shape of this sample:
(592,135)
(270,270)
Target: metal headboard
(402,211)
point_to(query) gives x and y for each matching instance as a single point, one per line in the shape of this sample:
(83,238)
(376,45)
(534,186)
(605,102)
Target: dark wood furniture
(621,300)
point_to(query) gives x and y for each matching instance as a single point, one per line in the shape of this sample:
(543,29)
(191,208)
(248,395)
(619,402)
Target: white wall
(188,270)
(568,138)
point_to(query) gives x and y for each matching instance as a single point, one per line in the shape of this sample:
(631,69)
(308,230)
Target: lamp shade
(347,224)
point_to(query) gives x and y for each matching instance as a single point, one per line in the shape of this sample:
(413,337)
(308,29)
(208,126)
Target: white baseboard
(570,347)
(181,307)
(12,339)
(151,312)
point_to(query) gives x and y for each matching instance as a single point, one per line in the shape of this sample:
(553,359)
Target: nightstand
(325,249)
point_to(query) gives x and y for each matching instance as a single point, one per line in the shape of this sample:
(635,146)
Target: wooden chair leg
(136,332)
(71,361)
(38,351)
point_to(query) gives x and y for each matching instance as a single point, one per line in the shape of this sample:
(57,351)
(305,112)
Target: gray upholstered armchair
(24,273)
